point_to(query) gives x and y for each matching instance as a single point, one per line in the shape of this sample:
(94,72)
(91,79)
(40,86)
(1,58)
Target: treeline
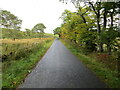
(11,25)
(93,27)
(16,34)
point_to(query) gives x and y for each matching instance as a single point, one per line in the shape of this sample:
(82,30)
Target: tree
(9,20)
(110,10)
(106,31)
(79,32)
(28,32)
(96,7)
(57,31)
(39,28)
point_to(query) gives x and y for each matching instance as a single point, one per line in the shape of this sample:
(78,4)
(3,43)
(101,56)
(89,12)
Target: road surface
(59,68)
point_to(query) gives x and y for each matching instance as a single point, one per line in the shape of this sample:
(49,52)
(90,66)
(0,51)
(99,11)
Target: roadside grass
(21,41)
(107,75)
(15,72)
(19,48)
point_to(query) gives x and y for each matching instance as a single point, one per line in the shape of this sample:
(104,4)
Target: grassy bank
(15,70)
(107,75)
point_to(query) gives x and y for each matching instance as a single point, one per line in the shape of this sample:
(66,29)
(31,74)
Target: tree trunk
(59,35)
(104,28)
(82,15)
(97,12)
(84,20)
(109,49)
(111,16)
(100,45)
(105,19)
(111,27)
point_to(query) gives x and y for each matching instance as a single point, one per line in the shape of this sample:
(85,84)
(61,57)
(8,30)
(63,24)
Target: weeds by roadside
(15,70)
(100,64)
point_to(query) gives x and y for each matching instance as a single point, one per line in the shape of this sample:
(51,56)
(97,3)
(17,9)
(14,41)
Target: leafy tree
(76,30)
(110,10)
(28,32)
(57,31)
(96,7)
(102,11)
(9,20)
(39,28)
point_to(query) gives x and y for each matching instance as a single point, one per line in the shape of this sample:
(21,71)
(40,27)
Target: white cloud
(37,11)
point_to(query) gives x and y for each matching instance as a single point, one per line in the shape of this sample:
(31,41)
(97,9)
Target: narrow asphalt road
(59,68)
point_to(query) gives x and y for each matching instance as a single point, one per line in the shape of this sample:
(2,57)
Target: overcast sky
(37,11)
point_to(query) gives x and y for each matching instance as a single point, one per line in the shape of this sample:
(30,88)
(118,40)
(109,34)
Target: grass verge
(110,77)
(19,69)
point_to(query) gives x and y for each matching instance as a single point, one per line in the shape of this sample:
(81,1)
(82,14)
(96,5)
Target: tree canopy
(39,28)
(93,25)
(9,20)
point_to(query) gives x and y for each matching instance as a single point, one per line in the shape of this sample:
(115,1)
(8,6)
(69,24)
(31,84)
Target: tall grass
(20,59)
(15,49)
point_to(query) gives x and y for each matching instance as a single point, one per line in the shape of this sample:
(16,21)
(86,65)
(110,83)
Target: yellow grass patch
(32,40)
